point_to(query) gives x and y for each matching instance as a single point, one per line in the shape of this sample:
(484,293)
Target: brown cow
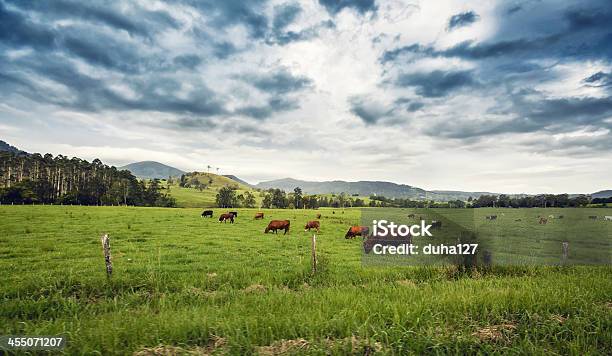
(226,216)
(276,225)
(319,216)
(357,231)
(259,216)
(312,225)
(543,221)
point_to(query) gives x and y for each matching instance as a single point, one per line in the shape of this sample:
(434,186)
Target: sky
(501,96)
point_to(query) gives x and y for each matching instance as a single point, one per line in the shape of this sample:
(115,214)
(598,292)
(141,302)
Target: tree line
(34,178)
(531,201)
(279,199)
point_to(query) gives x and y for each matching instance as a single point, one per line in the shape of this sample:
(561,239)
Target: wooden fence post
(487,258)
(107,254)
(565,251)
(314,253)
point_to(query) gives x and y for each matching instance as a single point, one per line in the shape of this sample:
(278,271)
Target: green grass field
(184,284)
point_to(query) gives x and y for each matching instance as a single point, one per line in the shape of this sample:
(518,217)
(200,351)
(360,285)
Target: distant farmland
(182,284)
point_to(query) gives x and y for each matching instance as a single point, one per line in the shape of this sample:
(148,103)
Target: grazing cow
(312,225)
(410,216)
(543,221)
(593,217)
(560,216)
(518,220)
(608,218)
(276,225)
(357,231)
(235,213)
(225,217)
(436,224)
(206,213)
(491,217)
(259,215)
(319,216)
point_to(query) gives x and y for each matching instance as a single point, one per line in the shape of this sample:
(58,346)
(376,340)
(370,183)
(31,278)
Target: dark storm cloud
(102,50)
(143,79)
(599,79)
(463,19)
(136,21)
(277,82)
(93,94)
(437,83)
(523,54)
(368,111)
(18,31)
(514,9)
(284,15)
(284,37)
(550,115)
(409,105)
(361,6)
(478,51)
(227,13)
(188,60)
(393,54)
(189,123)
(278,85)
(273,106)
(578,32)
(588,17)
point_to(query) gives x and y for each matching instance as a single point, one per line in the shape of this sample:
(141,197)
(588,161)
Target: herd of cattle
(353,231)
(274,225)
(543,220)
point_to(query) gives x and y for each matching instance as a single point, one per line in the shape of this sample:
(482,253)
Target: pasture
(182,283)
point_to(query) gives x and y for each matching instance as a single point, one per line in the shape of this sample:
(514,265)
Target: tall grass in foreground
(189,284)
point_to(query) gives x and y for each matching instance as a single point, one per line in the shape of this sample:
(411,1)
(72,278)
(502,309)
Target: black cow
(208,213)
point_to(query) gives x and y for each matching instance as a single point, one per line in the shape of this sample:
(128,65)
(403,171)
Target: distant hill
(152,169)
(234,178)
(602,194)
(446,195)
(363,188)
(190,196)
(8,148)
(367,188)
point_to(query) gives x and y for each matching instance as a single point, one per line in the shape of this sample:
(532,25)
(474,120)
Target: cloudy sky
(507,96)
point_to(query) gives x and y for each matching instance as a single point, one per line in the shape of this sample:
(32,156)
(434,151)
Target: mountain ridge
(4,146)
(236,179)
(602,194)
(384,188)
(152,170)
(363,188)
